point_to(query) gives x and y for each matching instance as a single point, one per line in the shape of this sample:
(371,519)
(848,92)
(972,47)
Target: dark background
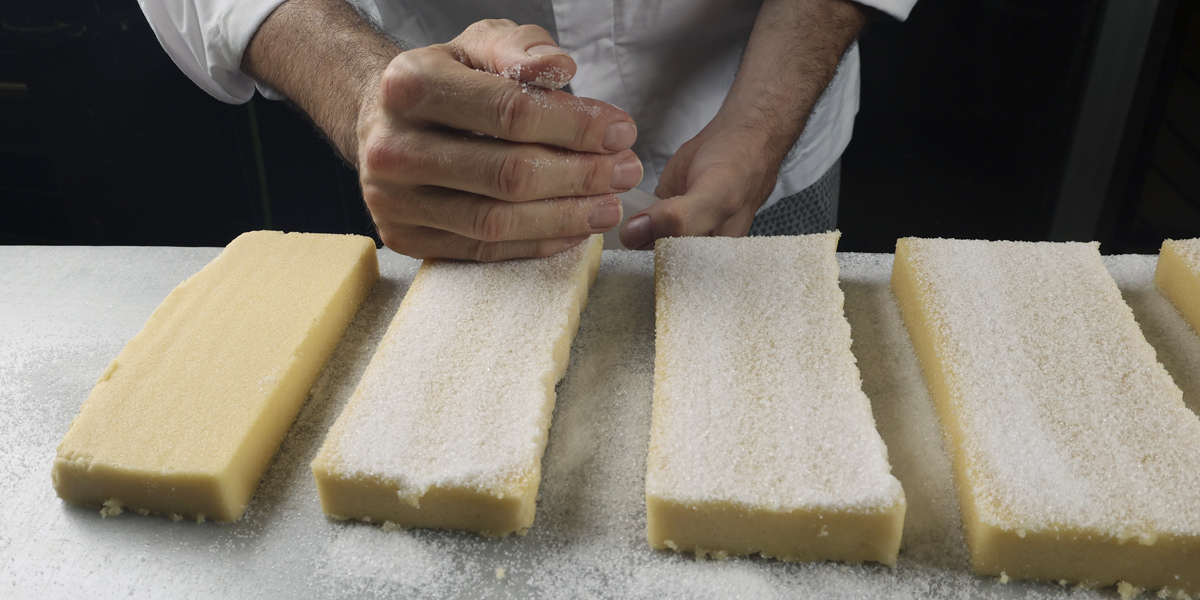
(968,116)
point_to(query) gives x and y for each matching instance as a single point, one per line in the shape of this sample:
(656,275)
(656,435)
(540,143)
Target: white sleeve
(206,39)
(896,8)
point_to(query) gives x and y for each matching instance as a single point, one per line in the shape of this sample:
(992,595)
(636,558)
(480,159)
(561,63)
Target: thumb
(708,203)
(526,53)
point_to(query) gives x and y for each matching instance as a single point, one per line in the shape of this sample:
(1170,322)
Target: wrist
(327,60)
(759,136)
(368,111)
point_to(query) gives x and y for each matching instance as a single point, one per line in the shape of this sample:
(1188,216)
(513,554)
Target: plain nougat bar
(185,419)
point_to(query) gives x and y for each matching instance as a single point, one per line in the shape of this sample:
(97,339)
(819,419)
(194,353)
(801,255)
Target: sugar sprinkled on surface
(760,403)
(455,395)
(904,416)
(589,540)
(1071,420)
(1189,250)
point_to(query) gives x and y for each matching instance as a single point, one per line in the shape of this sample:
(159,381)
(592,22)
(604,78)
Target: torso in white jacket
(668,63)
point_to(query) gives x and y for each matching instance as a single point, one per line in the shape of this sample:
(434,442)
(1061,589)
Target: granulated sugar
(589,537)
(543,90)
(456,396)
(1069,420)
(759,401)
(553,78)
(1190,251)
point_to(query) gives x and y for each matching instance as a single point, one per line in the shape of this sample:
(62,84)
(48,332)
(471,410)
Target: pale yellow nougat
(185,420)
(1074,454)
(1178,277)
(762,439)
(447,428)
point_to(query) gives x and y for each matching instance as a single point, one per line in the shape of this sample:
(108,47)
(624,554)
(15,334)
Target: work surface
(66,312)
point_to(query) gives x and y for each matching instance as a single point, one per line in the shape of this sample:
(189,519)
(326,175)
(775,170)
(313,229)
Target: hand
(713,185)
(457,162)
(717,181)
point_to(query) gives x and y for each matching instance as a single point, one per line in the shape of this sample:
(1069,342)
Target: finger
(709,203)
(430,85)
(526,53)
(491,220)
(736,226)
(423,242)
(500,169)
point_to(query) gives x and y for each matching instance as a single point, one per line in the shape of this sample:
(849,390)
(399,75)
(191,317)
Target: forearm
(326,59)
(792,55)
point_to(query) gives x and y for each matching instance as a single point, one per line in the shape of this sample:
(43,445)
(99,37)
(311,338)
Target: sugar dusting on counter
(589,537)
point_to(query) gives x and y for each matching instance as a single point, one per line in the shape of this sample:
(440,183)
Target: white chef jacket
(668,63)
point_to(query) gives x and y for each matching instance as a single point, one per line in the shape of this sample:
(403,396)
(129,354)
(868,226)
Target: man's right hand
(455,161)
(458,162)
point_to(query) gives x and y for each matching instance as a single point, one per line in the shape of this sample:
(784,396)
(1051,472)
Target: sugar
(788,446)
(590,538)
(553,78)
(1189,250)
(1070,413)
(1075,456)
(456,395)
(542,90)
(903,414)
(760,422)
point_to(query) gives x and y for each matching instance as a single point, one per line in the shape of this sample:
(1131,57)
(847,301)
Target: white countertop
(65,312)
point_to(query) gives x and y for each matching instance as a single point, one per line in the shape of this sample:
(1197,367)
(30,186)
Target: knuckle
(486,25)
(374,198)
(513,177)
(482,251)
(476,28)
(545,249)
(673,221)
(516,115)
(384,155)
(493,223)
(526,32)
(729,205)
(406,81)
(403,240)
(596,177)
(375,155)
(589,134)
(394,240)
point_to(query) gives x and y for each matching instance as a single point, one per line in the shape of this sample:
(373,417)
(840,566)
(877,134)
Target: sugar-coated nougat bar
(447,428)
(1074,454)
(762,438)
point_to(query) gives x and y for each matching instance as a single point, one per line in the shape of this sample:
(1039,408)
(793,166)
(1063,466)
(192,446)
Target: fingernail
(626,174)
(619,136)
(636,233)
(605,215)
(545,50)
